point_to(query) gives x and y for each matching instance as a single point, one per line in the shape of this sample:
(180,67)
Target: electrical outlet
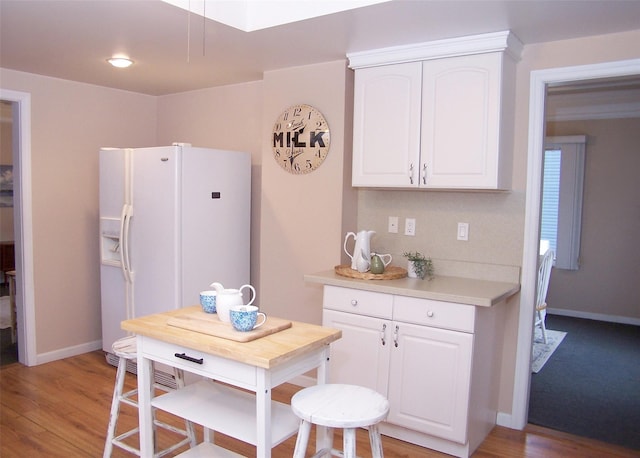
(410,226)
(393,224)
(463,231)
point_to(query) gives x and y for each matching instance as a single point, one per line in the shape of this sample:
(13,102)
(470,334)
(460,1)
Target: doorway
(23,224)
(540,80)
(587,387)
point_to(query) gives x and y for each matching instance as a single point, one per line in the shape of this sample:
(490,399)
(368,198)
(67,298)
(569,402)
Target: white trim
(539,81)
(24,231)
(504,41)
(69,352)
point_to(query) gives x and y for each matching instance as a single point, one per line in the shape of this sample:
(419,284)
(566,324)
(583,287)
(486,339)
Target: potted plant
(418,265)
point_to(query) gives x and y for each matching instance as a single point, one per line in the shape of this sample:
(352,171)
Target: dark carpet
(590,386)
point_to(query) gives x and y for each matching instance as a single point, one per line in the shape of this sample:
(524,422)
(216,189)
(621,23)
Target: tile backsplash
(496,221)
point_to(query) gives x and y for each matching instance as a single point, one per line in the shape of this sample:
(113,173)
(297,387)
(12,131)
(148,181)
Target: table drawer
(446,315)
(359,302)
(204,364)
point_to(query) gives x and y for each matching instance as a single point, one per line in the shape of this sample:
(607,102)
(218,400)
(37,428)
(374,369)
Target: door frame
(540,79)
(23,225)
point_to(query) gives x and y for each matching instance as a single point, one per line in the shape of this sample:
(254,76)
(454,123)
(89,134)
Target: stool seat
(126,349)
(339,406)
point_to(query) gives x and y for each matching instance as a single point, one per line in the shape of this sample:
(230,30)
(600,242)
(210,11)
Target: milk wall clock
(301,139)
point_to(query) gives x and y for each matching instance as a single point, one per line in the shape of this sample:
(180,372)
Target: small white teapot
(226,298)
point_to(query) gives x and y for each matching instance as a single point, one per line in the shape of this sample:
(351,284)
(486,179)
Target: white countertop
(449,289)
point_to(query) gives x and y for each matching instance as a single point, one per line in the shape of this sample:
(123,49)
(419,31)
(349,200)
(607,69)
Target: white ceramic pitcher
(228,297)
(361,251)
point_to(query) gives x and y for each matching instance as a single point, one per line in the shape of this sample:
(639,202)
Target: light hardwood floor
(61,409)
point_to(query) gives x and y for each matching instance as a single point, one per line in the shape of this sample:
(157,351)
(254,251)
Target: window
(562,188)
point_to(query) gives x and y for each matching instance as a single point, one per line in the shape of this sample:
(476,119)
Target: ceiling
(175,51)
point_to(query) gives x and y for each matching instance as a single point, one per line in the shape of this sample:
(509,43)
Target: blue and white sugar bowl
(208,301)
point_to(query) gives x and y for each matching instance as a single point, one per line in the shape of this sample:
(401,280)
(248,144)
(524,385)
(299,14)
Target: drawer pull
(354,302)
(383,334)
(395,336)
(430,313)
(189,358)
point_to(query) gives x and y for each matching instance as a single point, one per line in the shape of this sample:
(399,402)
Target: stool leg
(302,439)
(376,443)
(115,407)
(349,443)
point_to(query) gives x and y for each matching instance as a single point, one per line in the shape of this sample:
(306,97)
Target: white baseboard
(68,352)
(505,419)
(595,316)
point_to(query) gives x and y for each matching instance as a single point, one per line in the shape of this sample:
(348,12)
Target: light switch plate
(393,224)
(463,231)
(410,226)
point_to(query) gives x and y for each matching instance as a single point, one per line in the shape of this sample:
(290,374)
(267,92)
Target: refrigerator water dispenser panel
(110,241)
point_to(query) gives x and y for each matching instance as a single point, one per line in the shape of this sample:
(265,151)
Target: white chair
(126,349)
(544,274)
(339,406)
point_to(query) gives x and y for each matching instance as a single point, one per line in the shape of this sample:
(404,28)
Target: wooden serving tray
(210,324)
(390,273)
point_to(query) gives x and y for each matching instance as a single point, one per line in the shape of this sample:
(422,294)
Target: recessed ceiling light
(120,62)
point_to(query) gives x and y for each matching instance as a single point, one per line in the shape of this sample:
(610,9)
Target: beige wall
(69,123)
(304,216)
(607,281)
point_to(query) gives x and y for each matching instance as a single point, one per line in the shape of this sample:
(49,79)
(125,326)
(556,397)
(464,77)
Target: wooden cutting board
(390,273)
(209,323)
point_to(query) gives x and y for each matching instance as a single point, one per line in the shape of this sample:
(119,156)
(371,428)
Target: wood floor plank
(61,409)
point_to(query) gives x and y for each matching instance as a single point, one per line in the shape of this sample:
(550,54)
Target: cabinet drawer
(446,315)
(204,364)
(359,302)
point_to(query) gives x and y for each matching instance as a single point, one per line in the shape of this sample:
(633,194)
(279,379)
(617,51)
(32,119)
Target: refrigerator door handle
(125,221)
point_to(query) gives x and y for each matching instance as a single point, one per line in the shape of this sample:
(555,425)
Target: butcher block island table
(257,366)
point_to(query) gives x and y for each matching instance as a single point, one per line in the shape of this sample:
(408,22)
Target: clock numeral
(297,111)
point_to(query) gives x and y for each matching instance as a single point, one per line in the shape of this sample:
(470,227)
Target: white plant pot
(411,271)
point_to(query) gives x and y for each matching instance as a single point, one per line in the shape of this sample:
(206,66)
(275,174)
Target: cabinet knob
(354,302)
(430,313)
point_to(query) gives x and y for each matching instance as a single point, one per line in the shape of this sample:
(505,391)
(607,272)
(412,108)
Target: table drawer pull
(189,358)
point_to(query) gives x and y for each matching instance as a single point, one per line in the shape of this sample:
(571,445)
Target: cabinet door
(361,356)
(386,130)
(461,121)
(429,380)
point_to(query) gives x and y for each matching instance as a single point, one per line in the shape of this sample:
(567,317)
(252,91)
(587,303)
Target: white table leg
(263,414)
(324,436)
(145,387)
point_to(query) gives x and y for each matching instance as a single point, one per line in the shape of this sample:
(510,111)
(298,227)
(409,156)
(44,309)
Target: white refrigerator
(172,220)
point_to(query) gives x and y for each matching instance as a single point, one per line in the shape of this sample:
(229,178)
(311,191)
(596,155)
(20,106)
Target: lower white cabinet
(426,356)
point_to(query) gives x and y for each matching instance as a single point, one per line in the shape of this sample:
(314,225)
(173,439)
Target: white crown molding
(594,105)
(504,41)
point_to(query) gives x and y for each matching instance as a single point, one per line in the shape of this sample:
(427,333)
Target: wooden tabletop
(266,352)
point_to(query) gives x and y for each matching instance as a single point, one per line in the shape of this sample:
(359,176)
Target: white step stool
(126,349)
(339,406)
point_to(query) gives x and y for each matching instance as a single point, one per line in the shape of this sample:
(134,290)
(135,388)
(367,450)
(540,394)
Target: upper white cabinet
(437,115)
(386,130)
